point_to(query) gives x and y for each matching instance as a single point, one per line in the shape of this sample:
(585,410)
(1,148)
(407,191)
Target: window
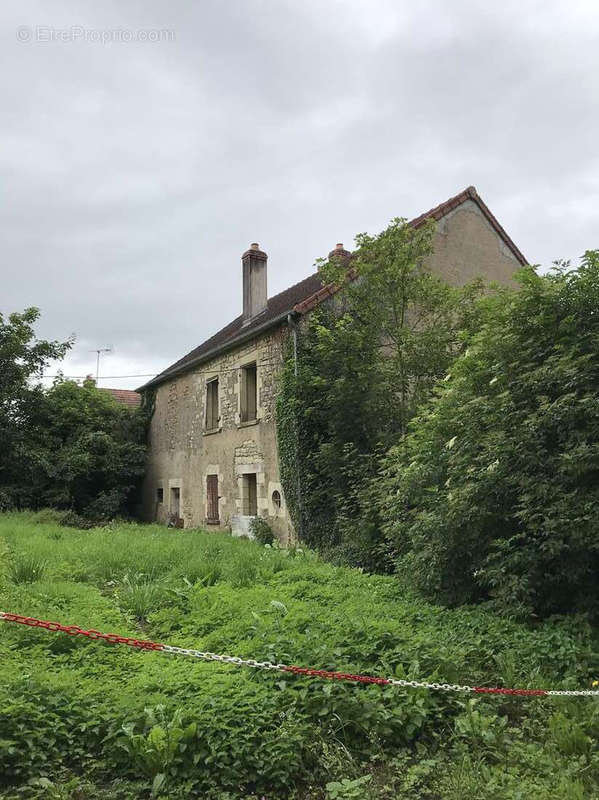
(249,498)
(249,400)
(160,495)
(175,501)
(212,498)
(212,417)
(276,499)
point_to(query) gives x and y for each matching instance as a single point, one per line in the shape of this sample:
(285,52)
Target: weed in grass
(140,596)
(243,570)
(347,789)
(206,573)
(162,743)
(206,568)
(277,560)
(568,735)
(26,568)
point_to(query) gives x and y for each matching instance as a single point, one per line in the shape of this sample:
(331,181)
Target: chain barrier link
(143,644)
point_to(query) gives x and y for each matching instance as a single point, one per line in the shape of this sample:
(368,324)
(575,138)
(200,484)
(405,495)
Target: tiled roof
(307,294)
(126,397)
(277,309)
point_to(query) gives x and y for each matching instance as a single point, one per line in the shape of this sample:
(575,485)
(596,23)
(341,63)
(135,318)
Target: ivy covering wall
(364,363)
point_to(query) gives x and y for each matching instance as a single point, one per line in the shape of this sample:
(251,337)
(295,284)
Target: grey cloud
(135,174)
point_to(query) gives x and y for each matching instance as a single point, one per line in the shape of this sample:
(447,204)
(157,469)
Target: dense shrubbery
(261,531)
(85,452)
(70,446)
(491,490)
(365,364)
(495,491)
(129,720)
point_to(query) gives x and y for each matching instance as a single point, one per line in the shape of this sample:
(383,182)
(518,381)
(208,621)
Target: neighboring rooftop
(305,295)
(126,397)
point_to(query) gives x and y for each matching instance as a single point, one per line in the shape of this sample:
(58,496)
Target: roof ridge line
(436,213)
(235,331)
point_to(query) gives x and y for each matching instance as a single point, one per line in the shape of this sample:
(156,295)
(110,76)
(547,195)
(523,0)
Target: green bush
(494,493)
(261,531)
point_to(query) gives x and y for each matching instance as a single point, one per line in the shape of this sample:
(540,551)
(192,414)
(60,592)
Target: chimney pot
(340,254)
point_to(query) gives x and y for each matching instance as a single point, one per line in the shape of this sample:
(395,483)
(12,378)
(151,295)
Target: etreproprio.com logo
(78,33)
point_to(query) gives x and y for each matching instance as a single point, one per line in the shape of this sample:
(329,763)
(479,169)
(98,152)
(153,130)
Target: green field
(84,719)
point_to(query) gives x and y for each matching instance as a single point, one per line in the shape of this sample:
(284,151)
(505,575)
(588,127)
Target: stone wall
(182,453)
(466,247)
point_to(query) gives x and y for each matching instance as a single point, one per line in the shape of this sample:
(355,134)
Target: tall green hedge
(494,493)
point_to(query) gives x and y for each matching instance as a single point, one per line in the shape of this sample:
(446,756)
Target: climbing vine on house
(366,360)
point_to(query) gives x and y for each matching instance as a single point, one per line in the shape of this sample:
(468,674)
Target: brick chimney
(254,282)
(340,253)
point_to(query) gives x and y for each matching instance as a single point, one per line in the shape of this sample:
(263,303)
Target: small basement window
(249,393)
(212,417)
(160,495)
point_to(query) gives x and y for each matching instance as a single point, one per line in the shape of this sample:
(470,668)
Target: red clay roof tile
(126,397)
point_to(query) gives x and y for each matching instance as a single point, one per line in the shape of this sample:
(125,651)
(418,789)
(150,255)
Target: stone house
(212,459)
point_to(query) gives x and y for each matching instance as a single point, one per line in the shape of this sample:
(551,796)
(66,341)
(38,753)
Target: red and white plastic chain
(142,644)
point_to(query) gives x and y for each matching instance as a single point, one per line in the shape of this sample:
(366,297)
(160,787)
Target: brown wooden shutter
(252,495)
(212,495)
(251,392)
(208,419)
(248,399)
(243,411)
(212,405)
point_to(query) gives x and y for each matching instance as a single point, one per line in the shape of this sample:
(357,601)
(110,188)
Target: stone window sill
(211,431)
(213,522)
(248,424)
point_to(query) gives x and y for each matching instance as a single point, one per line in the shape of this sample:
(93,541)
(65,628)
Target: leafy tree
(23,358)
(495,490)
(69,446)
(86,452)
(415,319)
(365,363)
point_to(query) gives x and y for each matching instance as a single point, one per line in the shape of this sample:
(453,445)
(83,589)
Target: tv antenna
(98,351)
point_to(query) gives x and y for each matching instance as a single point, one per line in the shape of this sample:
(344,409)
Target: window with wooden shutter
(249,393)
(212,498)
(249,500)
(212,417)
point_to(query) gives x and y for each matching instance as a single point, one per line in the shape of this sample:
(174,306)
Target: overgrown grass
(25,568)
(132,721)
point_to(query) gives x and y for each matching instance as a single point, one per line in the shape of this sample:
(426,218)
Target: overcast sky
(135,173)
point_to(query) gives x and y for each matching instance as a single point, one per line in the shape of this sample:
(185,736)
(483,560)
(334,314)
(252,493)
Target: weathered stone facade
(185,459)
(182,453)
